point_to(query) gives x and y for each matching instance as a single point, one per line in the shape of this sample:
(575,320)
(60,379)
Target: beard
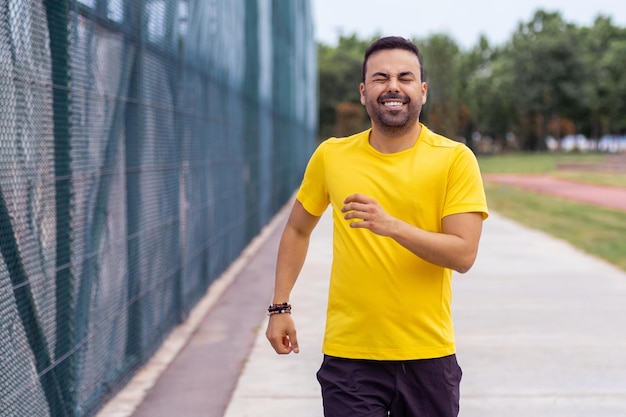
(393,122)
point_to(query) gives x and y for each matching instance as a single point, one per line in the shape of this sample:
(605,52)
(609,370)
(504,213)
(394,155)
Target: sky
(463,20)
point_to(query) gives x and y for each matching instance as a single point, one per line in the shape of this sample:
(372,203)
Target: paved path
(603,196)
(195,371)
(540,328)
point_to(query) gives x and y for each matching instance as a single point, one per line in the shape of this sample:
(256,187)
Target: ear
(424,93)
(361,91)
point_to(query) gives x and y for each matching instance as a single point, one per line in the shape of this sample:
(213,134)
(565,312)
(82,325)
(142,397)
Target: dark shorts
(365,388)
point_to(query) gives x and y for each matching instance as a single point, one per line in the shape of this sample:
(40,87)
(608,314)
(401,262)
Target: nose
(392,84)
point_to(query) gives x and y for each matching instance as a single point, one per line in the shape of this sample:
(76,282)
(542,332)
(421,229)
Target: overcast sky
(463,20)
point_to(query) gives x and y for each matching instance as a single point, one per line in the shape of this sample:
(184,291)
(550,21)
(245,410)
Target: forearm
(291,255)
(281,330)
(292,250)
(294,243)
(447,250)
(455,247)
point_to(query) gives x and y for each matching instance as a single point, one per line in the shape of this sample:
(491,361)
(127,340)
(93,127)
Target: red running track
(599,195)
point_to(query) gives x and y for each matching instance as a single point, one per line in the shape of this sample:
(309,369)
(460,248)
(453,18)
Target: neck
(394,139)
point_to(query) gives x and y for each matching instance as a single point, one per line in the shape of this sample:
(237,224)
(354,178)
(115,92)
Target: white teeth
(393,104)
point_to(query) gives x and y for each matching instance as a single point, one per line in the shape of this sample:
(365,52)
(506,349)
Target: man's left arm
(455,247)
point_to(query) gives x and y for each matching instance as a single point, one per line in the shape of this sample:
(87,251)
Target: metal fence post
(57,13)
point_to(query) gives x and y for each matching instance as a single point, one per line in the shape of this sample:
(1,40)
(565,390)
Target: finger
(357,198)
(360,225)
(355,215)
(277,342)
(349,199)
(283,347)
(294,343)
(356,207)
(277,345)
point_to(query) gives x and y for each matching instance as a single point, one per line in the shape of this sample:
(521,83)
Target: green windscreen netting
(143,144)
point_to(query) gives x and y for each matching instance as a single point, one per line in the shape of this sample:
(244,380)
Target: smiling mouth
(393,104)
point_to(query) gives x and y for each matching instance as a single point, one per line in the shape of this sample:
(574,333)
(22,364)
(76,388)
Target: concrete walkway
(541,329)
(541,332)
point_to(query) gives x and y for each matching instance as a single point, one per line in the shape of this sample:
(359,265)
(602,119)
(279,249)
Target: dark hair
(393,42)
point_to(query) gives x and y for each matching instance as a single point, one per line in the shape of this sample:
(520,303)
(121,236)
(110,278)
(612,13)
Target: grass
(595,230)
(533,163)
(548,164)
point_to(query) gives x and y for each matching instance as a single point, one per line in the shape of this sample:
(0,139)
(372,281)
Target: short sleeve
(465,193)
(313,192)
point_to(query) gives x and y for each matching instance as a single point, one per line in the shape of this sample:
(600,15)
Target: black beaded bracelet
(284,308)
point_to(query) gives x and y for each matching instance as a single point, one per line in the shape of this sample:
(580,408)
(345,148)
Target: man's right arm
(292,251)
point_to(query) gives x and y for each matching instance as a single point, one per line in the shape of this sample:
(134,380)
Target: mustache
(393,97)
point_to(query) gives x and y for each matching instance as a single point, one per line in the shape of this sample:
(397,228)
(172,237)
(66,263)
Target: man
(407,208)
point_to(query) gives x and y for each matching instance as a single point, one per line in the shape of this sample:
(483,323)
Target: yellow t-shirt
(385,303)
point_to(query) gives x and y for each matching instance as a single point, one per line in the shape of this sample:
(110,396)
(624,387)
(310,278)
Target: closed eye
(404,77)
(380,77)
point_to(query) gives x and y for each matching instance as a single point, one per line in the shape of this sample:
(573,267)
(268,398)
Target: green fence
(143,144)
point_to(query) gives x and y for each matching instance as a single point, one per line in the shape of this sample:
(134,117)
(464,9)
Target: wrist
(279,308)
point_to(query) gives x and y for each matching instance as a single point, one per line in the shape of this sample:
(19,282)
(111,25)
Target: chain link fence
(143,144)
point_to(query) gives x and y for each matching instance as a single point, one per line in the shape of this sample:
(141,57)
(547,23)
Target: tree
(613,82)
(486,90)
(547,74)
(339,77)
(441,63)
(603,45)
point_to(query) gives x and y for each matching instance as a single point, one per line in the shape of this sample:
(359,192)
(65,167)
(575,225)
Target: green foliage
(605,88)
(551,78)
(339,76)
(548,71)
(487,90)
(441,71)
